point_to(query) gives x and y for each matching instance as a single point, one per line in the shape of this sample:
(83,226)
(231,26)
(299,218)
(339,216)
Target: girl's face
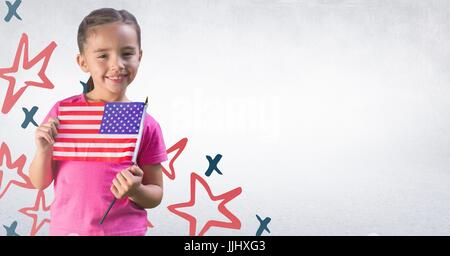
(112,56)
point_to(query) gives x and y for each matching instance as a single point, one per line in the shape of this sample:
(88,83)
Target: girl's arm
(41,171)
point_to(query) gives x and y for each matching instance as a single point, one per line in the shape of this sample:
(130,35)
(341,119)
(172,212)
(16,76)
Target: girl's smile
(117,79)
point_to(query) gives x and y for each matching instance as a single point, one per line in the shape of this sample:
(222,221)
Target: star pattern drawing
(35,212)
(12,164)
(8,176)
(234,222)
(122,118)
(11,170)
(149,224)
(179,147)
(40,208)
(21,61)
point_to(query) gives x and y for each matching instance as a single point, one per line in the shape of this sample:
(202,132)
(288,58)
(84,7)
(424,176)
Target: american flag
(98,131)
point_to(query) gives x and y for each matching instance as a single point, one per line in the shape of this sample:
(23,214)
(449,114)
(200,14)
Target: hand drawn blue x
(11,230)
(263,225)
(29,117)
(12,10)
(213,164)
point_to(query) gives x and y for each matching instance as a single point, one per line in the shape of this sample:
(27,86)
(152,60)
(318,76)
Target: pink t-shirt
(82,189)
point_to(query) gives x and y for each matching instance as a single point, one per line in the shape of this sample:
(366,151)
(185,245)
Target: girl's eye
(128,54)
(102,56)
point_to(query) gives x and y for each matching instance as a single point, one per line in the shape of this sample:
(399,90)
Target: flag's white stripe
(86,108)
(79,126)
(92,117)
(93,145)
(96,136)
(93,154)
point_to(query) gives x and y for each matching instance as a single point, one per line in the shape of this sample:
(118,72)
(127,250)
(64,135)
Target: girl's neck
(96,96)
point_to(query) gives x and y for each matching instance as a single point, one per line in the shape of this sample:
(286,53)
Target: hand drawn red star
(149,224)
(179,146)
(11,96)
(36,211)
(6,179)
(234,223)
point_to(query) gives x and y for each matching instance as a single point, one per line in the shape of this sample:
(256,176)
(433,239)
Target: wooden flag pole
(134,160)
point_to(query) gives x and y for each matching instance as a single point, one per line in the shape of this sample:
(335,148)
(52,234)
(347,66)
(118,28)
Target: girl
(109,42)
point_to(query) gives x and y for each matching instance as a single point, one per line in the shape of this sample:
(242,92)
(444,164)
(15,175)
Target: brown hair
(101,17)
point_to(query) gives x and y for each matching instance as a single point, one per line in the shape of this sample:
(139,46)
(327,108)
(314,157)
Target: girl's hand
(45,134)
(127,182)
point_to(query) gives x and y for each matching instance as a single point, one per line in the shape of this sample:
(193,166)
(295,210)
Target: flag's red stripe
(80,121)
(98,140)
(85,113)
(93,149)
(101,159)
(80,104)
(79,131)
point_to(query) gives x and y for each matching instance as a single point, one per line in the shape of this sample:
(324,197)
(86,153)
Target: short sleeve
(152,149)
(52,113)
